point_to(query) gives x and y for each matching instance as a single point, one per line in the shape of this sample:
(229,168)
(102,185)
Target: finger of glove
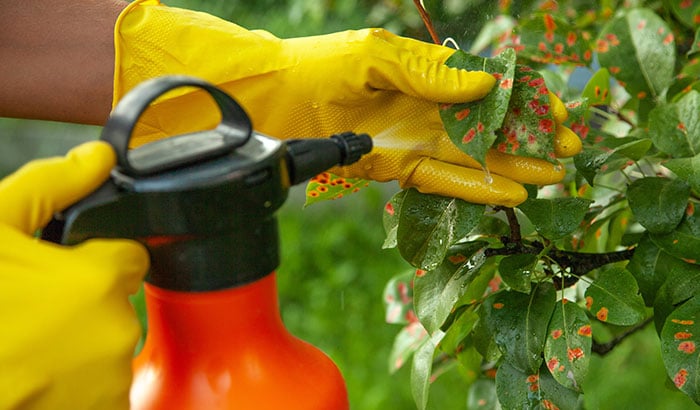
(566,142)
(122,263)
(558,108)
(475,186)
(417,68)
(31,195)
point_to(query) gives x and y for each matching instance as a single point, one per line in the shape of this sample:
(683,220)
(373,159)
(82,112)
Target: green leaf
(327,186)
(638,48)
(555,218)
(518,323)
(516,271)
(567,349)
(684,242)
(437,291)
(532,390)
(675,127)
(430,224)
(407,341)
(597,89)
(680,339)
(658,203)
(460,328)
(614,297)
(593,161)
(696,44)
(687,169)
(528,127)
(422,367)
(647,267)
(547,38)
(471,126)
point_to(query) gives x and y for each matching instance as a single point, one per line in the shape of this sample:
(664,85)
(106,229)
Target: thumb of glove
(36,191)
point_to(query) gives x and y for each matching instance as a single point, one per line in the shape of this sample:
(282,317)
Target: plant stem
(605,348)
(427,21)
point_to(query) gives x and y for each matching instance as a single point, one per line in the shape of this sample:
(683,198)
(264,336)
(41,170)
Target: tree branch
(605,348)
(427,21)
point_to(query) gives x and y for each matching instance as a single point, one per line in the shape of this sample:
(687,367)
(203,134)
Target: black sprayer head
(203,203)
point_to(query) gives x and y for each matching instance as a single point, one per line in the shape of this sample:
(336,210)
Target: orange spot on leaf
(687,347)
(462,114)
(575,353)
(498,305)
(683,322)
(556,334)
(680,378)
(682,335)
(584,330)
(602,314)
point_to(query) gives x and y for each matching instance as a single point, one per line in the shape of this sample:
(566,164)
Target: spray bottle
(204,206)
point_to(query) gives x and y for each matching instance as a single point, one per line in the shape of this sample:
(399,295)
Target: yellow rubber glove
(367,81)
(68,329)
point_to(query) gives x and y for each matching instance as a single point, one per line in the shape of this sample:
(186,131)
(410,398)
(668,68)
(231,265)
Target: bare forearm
(57,59)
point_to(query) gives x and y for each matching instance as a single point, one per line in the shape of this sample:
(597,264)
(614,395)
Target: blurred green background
(334,270)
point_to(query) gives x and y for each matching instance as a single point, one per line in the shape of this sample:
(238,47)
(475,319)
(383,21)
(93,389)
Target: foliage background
(334,270)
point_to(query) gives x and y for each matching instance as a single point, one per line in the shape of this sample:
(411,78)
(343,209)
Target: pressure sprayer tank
(204,206)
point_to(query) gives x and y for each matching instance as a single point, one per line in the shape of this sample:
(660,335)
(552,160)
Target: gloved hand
(367,81)
(68,329)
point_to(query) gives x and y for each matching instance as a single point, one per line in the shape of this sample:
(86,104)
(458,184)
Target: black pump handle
(233,131)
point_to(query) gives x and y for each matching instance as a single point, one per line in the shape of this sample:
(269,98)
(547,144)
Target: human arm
(58,59)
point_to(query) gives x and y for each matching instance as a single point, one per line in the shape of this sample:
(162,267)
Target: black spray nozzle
(309,157)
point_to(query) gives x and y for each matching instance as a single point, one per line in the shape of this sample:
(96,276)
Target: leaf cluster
(518,300)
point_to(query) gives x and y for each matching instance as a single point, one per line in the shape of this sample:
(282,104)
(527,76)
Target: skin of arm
(57,59)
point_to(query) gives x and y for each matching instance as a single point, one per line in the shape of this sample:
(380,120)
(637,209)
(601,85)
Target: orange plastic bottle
(228,349)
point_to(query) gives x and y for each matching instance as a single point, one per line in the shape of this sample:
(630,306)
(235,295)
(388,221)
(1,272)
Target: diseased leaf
(614,297)
(675,127)
(430,224)
(437,291)
(482,395)
(471,126)
(528,127)
(532,390)
(409,339)
(686,11)
(682,281)
(680,339)
(547,38)
(555,218)
(398,298)
(567,349)
(390,219)
(518,323)
(684,241)
(687,169)
(597,89)
(658,203)
(638,49)
(327,186)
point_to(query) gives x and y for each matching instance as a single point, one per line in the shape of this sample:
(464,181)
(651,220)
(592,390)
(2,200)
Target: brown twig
(427,21)
(605,348)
